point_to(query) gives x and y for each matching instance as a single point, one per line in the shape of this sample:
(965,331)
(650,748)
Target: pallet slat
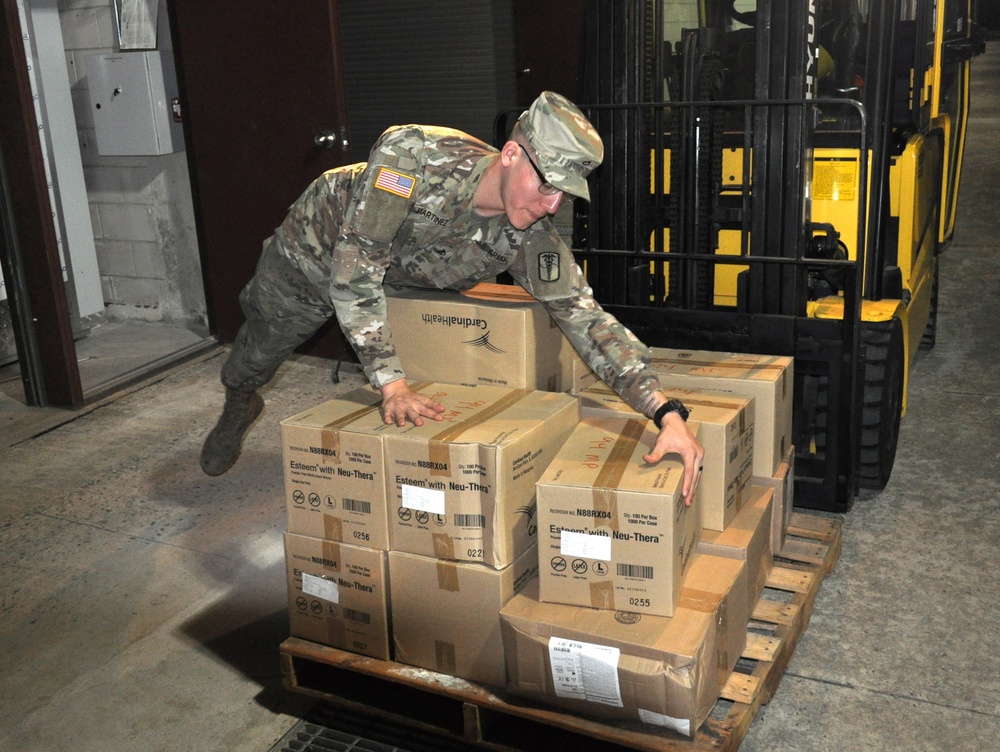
(740,688)
(775,612)
(793,580)
(481,715)
(807,551)
(761,647)
(813,526)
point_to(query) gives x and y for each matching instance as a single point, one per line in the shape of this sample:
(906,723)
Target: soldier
(435,208)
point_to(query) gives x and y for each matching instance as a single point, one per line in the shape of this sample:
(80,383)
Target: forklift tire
(883,401)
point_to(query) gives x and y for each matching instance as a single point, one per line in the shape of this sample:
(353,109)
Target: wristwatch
(670,406)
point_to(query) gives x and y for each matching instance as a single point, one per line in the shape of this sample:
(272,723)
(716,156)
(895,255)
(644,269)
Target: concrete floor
(113,357)
(142,603)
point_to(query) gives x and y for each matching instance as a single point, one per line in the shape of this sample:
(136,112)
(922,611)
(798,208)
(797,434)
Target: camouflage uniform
(405,218)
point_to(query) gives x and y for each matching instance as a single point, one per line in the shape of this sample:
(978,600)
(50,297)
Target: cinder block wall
(141,207)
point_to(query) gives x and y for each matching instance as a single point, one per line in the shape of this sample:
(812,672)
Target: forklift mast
(711,135)
(779,178)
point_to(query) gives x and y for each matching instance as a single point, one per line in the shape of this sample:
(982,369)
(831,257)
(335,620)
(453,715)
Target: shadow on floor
(239,631)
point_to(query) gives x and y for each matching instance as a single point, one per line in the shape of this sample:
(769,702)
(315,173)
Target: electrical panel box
(133,96)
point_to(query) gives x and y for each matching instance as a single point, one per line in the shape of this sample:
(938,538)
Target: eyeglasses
(546,187)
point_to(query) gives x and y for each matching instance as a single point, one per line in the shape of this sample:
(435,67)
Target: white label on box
(584,671)
(683,725)
(585,546)
(423,499)
(320,587)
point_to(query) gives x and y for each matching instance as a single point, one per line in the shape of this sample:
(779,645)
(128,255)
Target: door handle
(325,139)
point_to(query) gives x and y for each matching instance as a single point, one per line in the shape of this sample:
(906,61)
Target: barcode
(635,570)
(470,520)
(353,505)
(362,617)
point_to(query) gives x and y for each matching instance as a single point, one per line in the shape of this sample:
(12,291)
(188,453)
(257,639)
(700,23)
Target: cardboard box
(725,430)
(665,671)
(767,378)
(491,335)
(748,538)
(334,474)
(338,595)
(464,488)
(783,483)
(614,531)
(446,614)
(573,370)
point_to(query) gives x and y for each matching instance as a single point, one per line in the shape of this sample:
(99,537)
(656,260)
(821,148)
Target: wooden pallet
(488,718)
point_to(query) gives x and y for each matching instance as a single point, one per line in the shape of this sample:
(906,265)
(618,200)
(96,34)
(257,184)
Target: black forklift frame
(630,284)
(618,236)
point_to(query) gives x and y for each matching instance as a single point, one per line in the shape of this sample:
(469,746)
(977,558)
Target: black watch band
(670,406)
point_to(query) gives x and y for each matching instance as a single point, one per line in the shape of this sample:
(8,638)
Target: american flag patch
(395,182)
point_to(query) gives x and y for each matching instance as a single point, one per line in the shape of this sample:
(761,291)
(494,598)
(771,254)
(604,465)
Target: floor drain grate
(327,728)
(308,737)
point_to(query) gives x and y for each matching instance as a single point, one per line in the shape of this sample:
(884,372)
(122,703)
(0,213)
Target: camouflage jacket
(405,218)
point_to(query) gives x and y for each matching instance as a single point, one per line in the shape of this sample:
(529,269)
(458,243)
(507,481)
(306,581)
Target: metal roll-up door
(442,62)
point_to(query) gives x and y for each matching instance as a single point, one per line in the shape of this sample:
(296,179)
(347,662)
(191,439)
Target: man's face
(523,203)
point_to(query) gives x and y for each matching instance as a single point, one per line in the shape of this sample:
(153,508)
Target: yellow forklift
(780,178)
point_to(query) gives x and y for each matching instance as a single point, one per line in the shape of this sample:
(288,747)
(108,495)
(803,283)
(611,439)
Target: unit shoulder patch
(549,265)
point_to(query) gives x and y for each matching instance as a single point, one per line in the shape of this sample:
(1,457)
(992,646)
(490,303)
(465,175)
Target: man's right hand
(401,404)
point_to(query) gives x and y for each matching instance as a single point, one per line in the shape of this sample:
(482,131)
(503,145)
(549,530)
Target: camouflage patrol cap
(566,144)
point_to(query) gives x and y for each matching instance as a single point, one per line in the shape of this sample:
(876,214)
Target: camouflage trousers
(284,304)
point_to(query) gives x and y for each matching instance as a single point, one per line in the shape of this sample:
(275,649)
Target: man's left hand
(676,438)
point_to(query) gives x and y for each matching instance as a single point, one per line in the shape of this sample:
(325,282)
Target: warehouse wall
(141,207)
